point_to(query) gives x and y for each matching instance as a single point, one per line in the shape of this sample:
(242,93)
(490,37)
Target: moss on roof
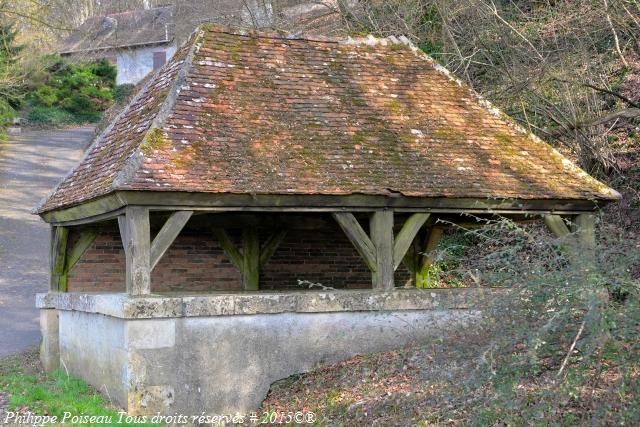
(259,113)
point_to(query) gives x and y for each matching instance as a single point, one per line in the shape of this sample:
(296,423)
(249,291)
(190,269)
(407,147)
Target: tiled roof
(258,113)
(120,30)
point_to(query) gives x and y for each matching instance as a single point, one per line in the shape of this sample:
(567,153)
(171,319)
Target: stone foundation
(219,353)
(49,347)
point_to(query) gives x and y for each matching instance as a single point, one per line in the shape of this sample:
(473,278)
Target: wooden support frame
(423,273)
(358,237)
(167,235)
(142,254)
(419,257)
(580,235)
(381,227)
(584,226)
(556,225)
(63,258)
(135,232)
(406,236)
(57,258)
(86,238)
(114,204)
(253,256)
(377,251)
(251,259)
(270,246)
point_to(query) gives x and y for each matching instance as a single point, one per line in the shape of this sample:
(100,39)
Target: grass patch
(54,394)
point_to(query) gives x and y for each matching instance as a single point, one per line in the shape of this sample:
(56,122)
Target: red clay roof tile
(258,113)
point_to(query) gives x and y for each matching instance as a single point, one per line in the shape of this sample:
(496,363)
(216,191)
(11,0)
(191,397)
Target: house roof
(120,30)
(259,113)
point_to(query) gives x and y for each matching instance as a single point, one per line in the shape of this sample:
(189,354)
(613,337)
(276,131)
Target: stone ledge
(265,302)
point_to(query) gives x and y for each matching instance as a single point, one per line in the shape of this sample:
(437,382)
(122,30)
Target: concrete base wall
(93,347)
(219,353)
(226,364)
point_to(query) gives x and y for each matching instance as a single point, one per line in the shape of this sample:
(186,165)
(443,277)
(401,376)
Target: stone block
(150,334)
(50,346)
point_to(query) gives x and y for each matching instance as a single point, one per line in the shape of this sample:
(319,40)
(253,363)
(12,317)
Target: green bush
(122,92)
(71,93)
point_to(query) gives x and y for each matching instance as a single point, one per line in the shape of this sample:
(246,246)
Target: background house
(137,41)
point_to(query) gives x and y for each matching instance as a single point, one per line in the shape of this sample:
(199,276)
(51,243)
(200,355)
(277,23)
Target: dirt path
(31,164)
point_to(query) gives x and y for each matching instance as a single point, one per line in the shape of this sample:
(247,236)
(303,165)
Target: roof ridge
(125,12)
(369,39)
(133,163)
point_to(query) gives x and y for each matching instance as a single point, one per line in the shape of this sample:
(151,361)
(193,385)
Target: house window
(159,58)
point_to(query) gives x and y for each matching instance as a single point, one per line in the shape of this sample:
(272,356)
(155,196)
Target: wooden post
(425,258)
(251,259)
(584,227)
(556,224)
(57,259)
(135,232)
(381,226)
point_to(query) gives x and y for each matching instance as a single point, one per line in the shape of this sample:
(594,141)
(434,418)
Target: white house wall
(134,64)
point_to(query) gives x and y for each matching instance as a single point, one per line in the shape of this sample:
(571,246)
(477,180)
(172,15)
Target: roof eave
(111,205)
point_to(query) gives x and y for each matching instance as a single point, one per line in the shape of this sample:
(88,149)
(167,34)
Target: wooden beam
(423,274)
(381,225)
(352,202)
(90,211)
(556,224)
(57,259)
(95,210)
(363,244)
(136,241)
(167,235)
(251,258)
(87,237)
(235,256)
(584,227)
(406,235)
(270,246)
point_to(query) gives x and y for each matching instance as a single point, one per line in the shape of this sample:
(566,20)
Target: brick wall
(195,262)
